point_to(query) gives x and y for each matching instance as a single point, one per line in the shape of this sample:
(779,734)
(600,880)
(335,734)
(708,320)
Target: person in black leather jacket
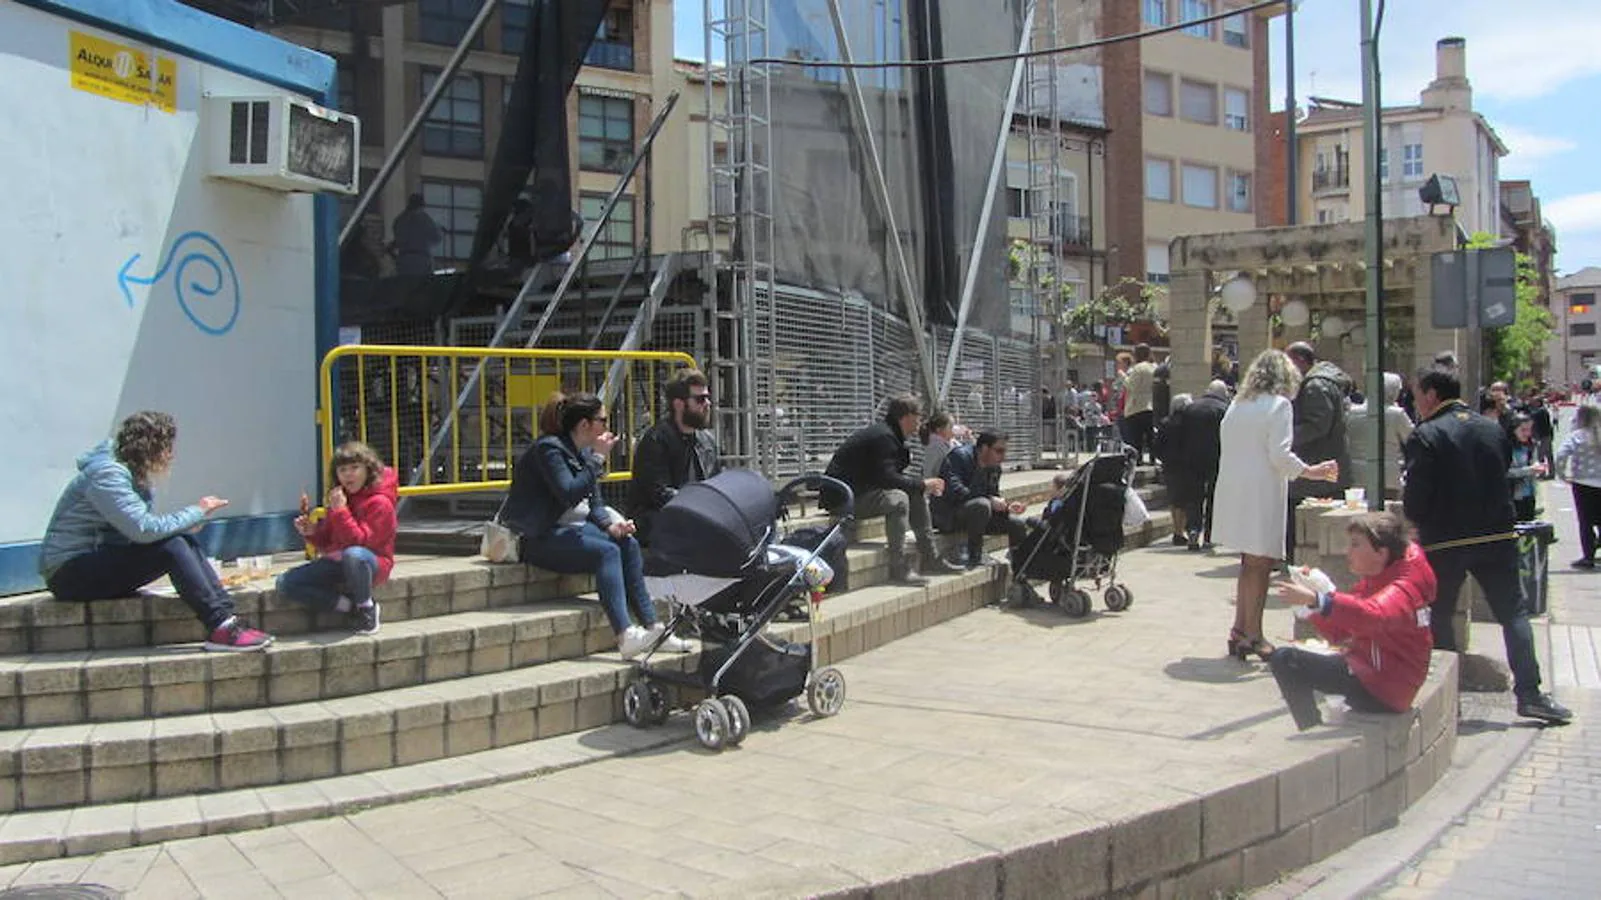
(1455,496)
(972,502)
(676,451)
(873,462)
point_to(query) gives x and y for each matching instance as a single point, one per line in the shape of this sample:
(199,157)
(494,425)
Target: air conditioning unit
(283,143)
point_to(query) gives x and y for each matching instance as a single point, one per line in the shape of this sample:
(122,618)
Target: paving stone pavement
(995,719)
(1537,833)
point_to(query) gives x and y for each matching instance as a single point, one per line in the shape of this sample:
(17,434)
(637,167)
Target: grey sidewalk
(997,722)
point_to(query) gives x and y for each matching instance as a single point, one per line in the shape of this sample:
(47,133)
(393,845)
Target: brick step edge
(117,685)
(859,624)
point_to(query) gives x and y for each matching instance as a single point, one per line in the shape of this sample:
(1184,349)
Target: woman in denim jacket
(555,504)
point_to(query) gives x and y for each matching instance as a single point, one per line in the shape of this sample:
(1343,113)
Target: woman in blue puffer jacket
(106,541)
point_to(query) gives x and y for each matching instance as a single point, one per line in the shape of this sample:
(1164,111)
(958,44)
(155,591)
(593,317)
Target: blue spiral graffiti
(203,271)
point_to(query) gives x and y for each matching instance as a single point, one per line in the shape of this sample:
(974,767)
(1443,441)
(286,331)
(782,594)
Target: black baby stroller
(1079,537)
(715,557)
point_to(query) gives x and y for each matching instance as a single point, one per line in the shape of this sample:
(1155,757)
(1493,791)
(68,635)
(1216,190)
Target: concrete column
(1190,331)
(1255,335)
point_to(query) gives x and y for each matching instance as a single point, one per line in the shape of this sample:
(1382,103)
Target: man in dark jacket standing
(1319,429)
(873,462)
(1456,464)
(1195,446)
(676,451)
(972,502)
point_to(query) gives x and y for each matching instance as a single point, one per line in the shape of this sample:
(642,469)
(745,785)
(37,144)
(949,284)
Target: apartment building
(1529,232)
(1576,350)
(1185,111)
(1441,134)
(390,55)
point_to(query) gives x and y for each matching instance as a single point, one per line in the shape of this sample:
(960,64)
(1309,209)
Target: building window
(1412,161)
(1155,13)
(1190,10)
(1579,304)
(1159,180)
(1236,109)
(613,47)
(1581,329)
(455,126)
(1158,268)
(1198,101)
(445,21)
(515,16)
(1236,31)
(616,240)
(1239,197)
(1158,94)
(1200,186)
(1017,204)
(454,208)
(605,133)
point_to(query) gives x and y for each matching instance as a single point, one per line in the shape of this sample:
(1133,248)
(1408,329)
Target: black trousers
(1495,568)
(1301,674)
(1137,432)
(1587,506)
(1198,510)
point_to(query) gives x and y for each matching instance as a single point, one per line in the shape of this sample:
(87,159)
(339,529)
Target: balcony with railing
(1072,232)
(1336,178)
(610,55)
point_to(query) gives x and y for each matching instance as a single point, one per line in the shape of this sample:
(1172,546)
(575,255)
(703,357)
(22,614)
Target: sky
(1535,66)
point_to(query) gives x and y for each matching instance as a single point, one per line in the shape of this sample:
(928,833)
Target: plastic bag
(1134,512)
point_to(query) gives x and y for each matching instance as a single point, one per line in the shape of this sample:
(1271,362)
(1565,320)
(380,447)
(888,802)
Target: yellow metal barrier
(454,419)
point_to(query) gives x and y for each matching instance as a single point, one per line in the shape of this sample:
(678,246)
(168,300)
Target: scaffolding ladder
(1048,221)
(740,204)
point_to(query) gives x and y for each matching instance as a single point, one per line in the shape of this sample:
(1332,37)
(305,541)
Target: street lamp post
(1374,236)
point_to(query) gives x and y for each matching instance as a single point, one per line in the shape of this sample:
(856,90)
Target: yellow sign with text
(124,73)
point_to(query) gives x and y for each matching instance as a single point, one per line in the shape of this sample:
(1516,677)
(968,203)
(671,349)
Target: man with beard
(676,451)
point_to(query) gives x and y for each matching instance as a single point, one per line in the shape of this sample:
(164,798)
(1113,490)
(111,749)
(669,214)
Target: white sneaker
(633,641)
(672,643)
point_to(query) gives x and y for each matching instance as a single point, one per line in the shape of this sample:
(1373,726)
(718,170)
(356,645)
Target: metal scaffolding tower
(1049,223)
(740,299)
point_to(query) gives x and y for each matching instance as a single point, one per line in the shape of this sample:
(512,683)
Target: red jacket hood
(387,485)
(1412,568)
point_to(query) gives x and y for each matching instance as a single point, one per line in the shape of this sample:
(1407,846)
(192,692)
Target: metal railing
(1331,179)
(395,398)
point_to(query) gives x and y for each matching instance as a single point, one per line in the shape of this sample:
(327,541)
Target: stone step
(135,683)
(73,765)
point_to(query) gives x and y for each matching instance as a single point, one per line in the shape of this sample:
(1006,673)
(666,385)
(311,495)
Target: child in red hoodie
(1381,627)
(355,542)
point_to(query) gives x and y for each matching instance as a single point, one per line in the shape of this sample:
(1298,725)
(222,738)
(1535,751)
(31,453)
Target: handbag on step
(500,543)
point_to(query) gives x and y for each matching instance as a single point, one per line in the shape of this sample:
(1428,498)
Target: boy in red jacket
(355,542)
(1381,627)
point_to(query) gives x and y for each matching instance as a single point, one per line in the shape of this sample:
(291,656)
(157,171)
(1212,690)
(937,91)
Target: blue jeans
(617,565)
(119,570)
(323,581)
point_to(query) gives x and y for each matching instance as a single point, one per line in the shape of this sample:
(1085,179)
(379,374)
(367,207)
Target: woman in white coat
(1253,488)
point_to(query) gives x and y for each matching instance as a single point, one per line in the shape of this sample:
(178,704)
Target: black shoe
(932,565)
(901,573)
(364,619)
(1178,540)
(1545,709)
(1584,564)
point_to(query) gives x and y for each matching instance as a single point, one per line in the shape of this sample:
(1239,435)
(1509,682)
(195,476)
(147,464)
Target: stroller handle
(817,482)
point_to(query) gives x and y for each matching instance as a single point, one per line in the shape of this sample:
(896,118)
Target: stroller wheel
(1020,595)
(711,724)
(636,704)
(1074,603)
(1118,598)
(1057,589)
(738,719)
(826,694)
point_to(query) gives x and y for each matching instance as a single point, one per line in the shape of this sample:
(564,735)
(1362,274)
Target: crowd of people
(1236,466)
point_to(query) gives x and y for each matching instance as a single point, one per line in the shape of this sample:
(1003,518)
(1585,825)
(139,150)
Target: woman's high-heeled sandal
(1261,648)
(1239,644)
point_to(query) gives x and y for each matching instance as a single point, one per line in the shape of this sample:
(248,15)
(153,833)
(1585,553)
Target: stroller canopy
(715,527)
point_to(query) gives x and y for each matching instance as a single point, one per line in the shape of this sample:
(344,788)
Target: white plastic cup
(1356,498)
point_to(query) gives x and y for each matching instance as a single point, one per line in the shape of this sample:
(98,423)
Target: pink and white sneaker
(233,637)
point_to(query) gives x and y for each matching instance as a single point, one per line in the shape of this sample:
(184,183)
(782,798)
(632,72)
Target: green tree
(1127,301)
(1511,354)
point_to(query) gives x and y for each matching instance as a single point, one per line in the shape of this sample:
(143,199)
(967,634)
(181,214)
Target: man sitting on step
(971,503)
(873,462)
(676,451)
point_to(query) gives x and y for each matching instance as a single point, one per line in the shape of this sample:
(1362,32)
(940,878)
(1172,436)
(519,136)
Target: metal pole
(886,208)
(1292,157)
(1374,234)
(392,161)
(997,166)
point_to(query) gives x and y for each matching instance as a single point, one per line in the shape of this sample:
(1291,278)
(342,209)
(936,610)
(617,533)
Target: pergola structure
(1323,267)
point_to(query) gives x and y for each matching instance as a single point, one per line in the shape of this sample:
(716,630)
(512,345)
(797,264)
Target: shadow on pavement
(1225,670)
